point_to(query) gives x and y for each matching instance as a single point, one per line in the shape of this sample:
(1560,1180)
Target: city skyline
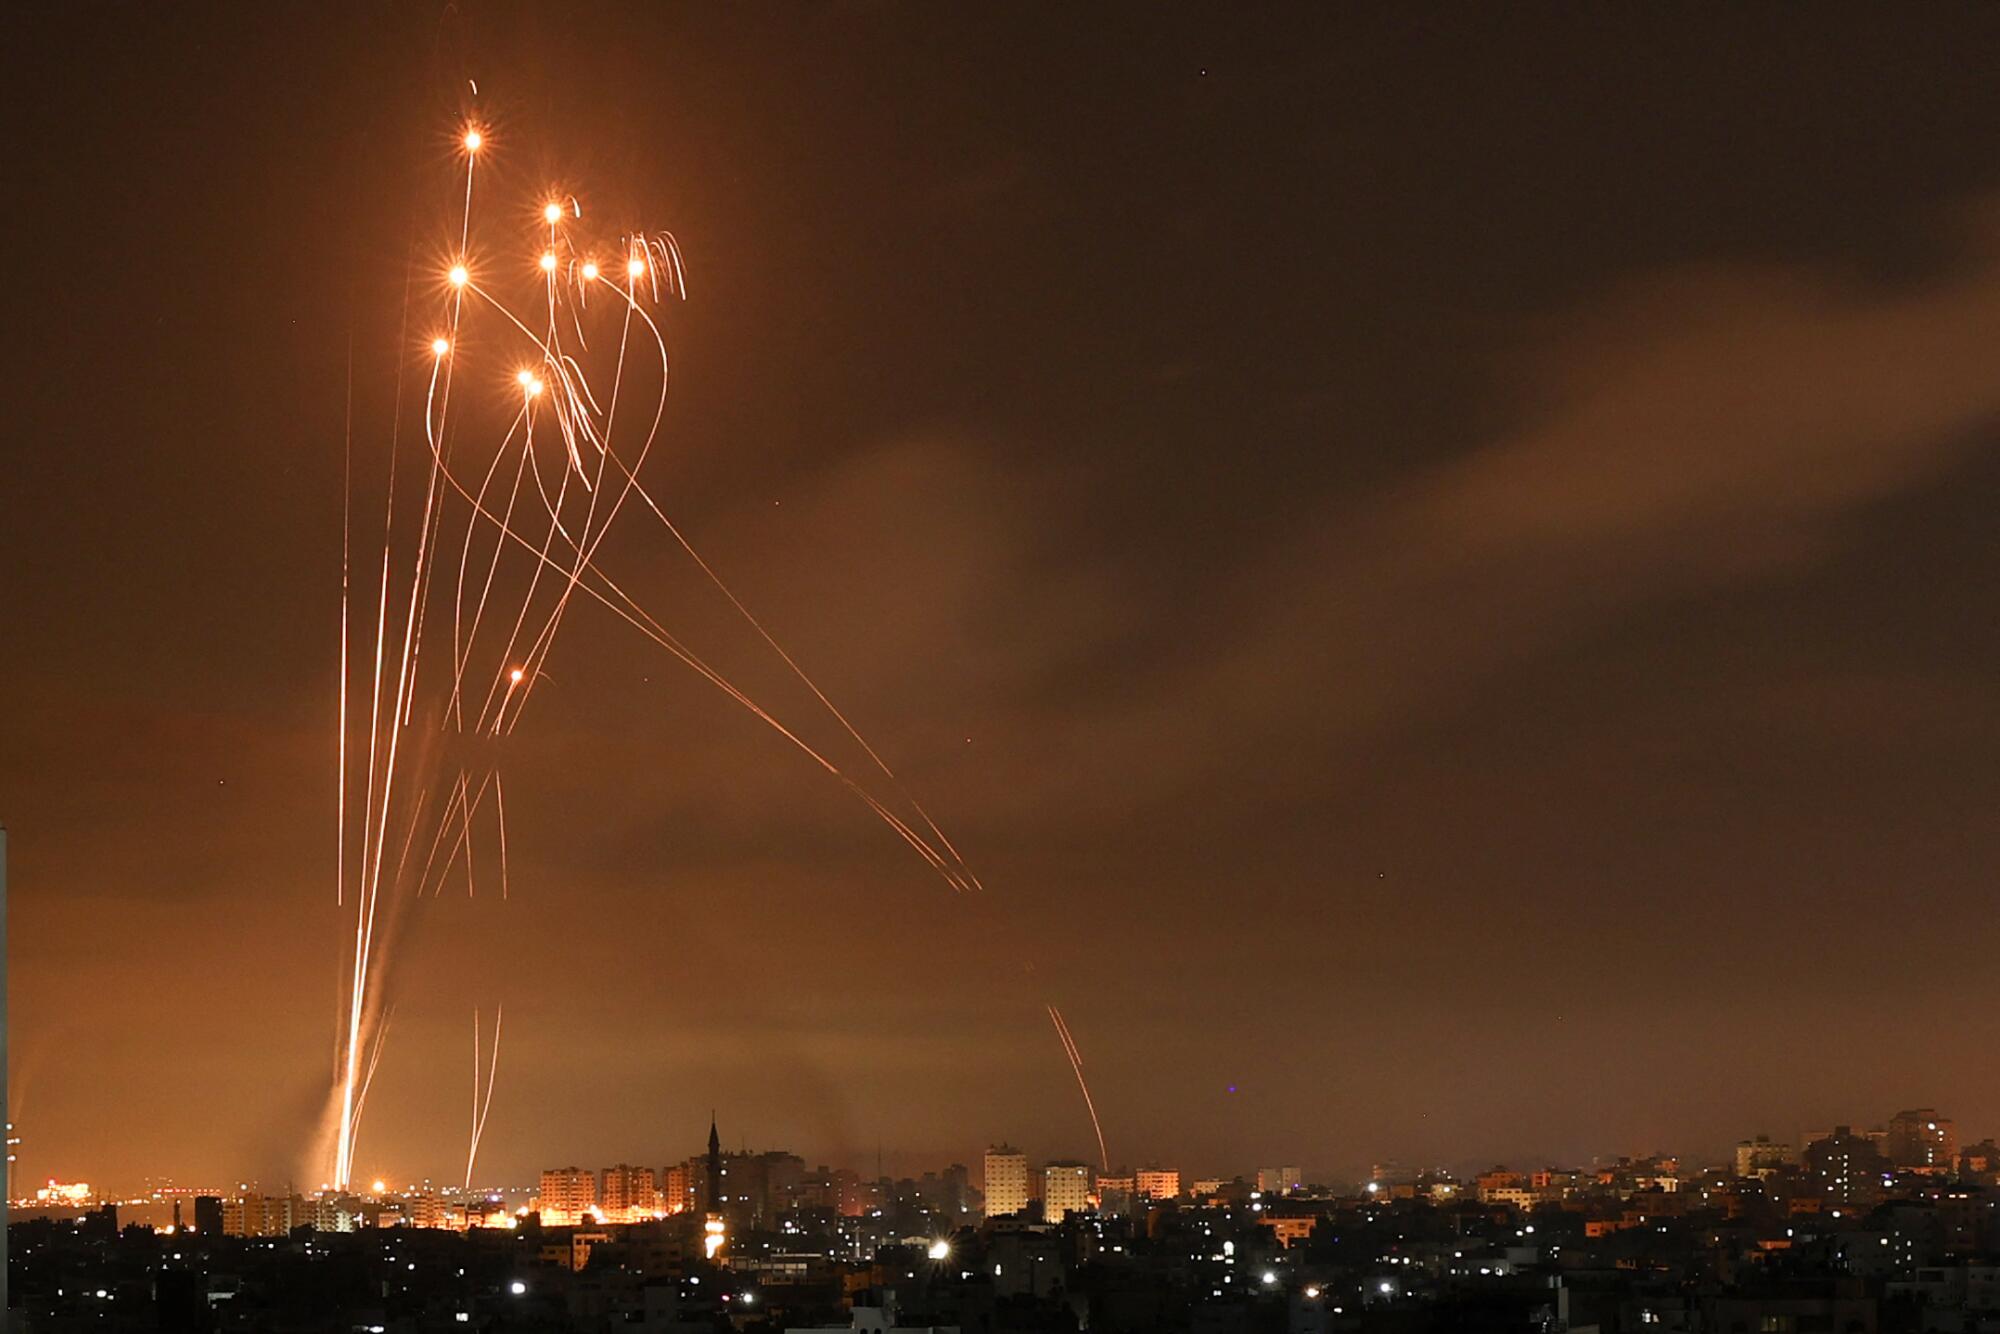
(1433,562)
(1924,1139)
(752,1190)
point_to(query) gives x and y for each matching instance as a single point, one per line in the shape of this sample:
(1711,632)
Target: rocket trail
(482,1105)
(566,447)
(1076,1064)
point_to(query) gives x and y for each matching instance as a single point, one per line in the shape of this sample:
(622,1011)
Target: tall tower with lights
(714,1166)
(713,1229)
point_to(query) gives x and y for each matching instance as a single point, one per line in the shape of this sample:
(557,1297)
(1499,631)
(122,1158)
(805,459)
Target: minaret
(714,1230)
(714,1166)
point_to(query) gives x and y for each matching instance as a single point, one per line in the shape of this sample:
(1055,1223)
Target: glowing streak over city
(482,1103)
(550,424)
(1076,1064)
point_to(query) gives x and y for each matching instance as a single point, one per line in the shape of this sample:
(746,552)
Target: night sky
(1439,565)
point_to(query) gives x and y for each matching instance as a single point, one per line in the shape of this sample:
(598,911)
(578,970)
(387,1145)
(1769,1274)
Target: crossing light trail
(537,340)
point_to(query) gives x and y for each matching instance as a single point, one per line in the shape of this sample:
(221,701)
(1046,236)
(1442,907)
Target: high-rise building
(208,1215)
(1278,1180)
(1922,1141)
(946,1191)
(335,1213)
(1006,1181)
(567,1192)
(754,1186)
(850,1193)
(1157,1183)
(265,1216)
(784,1181)
(957,1190)
(677,1192)
(1115,1194)
(1065,1191)
(1845,1170)
(624,1191)
(1762,1156)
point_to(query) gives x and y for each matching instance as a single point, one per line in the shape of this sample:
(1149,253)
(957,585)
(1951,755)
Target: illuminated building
(567,1193)
(624,1192)
(267,1215)
(1157,1183)
(63,1192)
(1922,1141)
(1006,1181)
(427,1210)
(1065,1191)
(490,1212)
(677,1193)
